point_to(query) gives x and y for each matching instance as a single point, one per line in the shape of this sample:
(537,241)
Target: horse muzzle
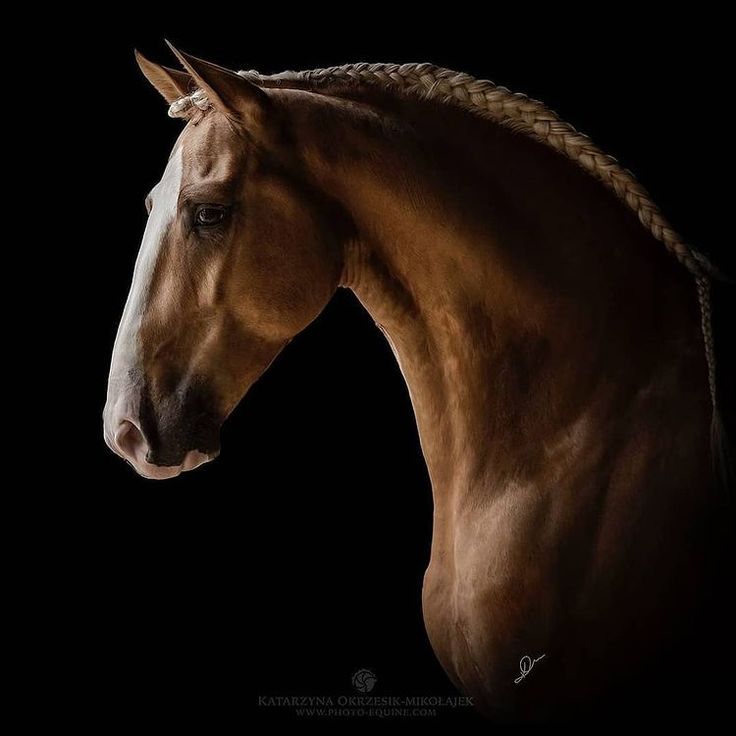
(155,448)
(129,442)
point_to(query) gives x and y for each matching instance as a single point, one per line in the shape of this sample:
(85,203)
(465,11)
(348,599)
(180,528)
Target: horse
(552,328)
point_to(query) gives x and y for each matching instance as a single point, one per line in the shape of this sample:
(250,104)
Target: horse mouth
(159,462)
(192,460)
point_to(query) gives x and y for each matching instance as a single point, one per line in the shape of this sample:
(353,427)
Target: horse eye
(208,215)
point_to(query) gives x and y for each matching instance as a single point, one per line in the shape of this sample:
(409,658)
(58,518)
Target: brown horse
(552,346)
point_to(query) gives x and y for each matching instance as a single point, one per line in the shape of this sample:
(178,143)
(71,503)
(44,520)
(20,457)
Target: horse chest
(490,594)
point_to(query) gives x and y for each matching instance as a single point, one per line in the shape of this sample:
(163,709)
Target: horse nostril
(131,442)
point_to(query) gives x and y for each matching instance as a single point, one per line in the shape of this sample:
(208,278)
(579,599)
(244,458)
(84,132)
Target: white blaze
(165,196)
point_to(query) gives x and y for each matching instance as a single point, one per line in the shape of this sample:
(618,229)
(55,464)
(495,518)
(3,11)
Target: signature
(526,665)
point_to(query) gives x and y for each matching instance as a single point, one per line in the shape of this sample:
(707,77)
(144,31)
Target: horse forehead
(211,150)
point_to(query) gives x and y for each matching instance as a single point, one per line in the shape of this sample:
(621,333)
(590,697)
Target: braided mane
(515,110)
(486,99)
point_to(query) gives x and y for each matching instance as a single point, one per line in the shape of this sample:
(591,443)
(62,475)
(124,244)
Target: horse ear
(227,91)
(171,84)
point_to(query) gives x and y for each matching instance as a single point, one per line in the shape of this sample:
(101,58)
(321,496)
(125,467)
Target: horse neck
(526,306)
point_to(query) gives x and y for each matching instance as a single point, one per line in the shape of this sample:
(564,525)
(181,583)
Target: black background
(297,557)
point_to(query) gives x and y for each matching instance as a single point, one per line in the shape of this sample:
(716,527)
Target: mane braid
(512,109)
(521,113)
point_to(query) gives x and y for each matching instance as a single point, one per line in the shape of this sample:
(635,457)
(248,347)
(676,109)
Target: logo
(526,665)
(364,681)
